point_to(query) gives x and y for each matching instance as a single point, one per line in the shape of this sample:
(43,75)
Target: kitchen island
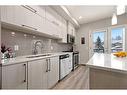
(105,71)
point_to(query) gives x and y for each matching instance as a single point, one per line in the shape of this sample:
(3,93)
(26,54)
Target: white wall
(84,31)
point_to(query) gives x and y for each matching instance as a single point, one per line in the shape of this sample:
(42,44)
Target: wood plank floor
(75,80)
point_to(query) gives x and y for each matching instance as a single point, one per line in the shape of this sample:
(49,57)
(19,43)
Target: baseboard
(82,64)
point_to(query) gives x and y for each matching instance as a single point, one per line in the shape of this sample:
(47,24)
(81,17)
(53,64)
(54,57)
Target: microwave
(70,39)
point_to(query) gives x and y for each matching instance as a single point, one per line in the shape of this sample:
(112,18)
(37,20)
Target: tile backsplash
(25,42)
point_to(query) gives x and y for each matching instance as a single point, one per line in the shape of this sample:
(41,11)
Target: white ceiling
(90,13)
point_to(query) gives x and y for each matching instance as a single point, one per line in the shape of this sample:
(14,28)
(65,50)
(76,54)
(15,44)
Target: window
(98,42)
(117,39)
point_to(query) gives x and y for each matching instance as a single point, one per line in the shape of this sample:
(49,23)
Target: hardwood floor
(77,79)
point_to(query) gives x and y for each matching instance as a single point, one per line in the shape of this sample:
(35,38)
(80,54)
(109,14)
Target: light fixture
(69,14)
(120,9)
(114,19)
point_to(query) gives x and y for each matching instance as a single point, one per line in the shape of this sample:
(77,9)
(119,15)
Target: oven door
(75,60)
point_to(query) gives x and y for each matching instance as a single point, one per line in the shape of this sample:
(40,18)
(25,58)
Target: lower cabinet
(37,76)
(14,76)
(53,73)
(44,73)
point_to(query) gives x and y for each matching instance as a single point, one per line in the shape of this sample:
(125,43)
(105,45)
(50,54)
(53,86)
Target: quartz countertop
(21,59)
(108,62)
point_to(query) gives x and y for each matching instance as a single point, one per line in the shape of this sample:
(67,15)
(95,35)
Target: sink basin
(34,56)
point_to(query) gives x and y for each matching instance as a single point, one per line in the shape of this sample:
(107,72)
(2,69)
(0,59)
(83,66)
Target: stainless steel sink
(34,56)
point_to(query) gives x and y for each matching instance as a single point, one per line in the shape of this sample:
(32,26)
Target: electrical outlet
(16,47)
(51,47)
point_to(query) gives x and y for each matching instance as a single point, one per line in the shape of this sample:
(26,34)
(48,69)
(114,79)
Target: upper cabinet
(63,31)
(40,10)
(71,29)
(38,19)
(21,16)
(53,22)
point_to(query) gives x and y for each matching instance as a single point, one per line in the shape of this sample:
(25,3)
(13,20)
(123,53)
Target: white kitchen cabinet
(71,29)
(32,20)
(14,76)
(43,73)
(35,18)
(21,16)
(53,74)
(53,22)
(51,29)
(37,74)
(40,10)
(63,31)
(3,13)
(7,14)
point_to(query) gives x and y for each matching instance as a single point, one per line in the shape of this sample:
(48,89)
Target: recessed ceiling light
(80,17)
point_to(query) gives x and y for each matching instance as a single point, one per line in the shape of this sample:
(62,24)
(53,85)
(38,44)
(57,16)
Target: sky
(115,32)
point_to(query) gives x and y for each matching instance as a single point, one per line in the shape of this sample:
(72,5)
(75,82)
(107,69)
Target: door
(14,76)
(53,74)
(37,75)
(117,39)
(98,42)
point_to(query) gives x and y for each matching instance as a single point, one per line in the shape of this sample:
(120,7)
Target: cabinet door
(3,14)
(53,74)
(14,76)
(51,28)
(71,29)
(19,15)
(40,10)
(64,30)
(28,19)
(37,75)
(7,14)
(53,22)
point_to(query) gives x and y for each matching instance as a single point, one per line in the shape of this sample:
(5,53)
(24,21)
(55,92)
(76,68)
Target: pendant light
(114,17)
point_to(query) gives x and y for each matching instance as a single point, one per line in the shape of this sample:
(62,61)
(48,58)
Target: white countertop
(21,59)
(108,62)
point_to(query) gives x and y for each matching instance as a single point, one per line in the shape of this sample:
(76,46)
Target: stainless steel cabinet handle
(29,27)
(47,65)
(29,8)
(25,72)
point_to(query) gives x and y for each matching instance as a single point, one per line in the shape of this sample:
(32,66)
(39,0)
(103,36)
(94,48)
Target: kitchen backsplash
(25,42)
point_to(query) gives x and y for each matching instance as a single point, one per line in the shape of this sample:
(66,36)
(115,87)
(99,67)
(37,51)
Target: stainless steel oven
(75,60)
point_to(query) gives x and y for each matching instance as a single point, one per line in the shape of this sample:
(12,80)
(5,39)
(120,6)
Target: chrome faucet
(35,51)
